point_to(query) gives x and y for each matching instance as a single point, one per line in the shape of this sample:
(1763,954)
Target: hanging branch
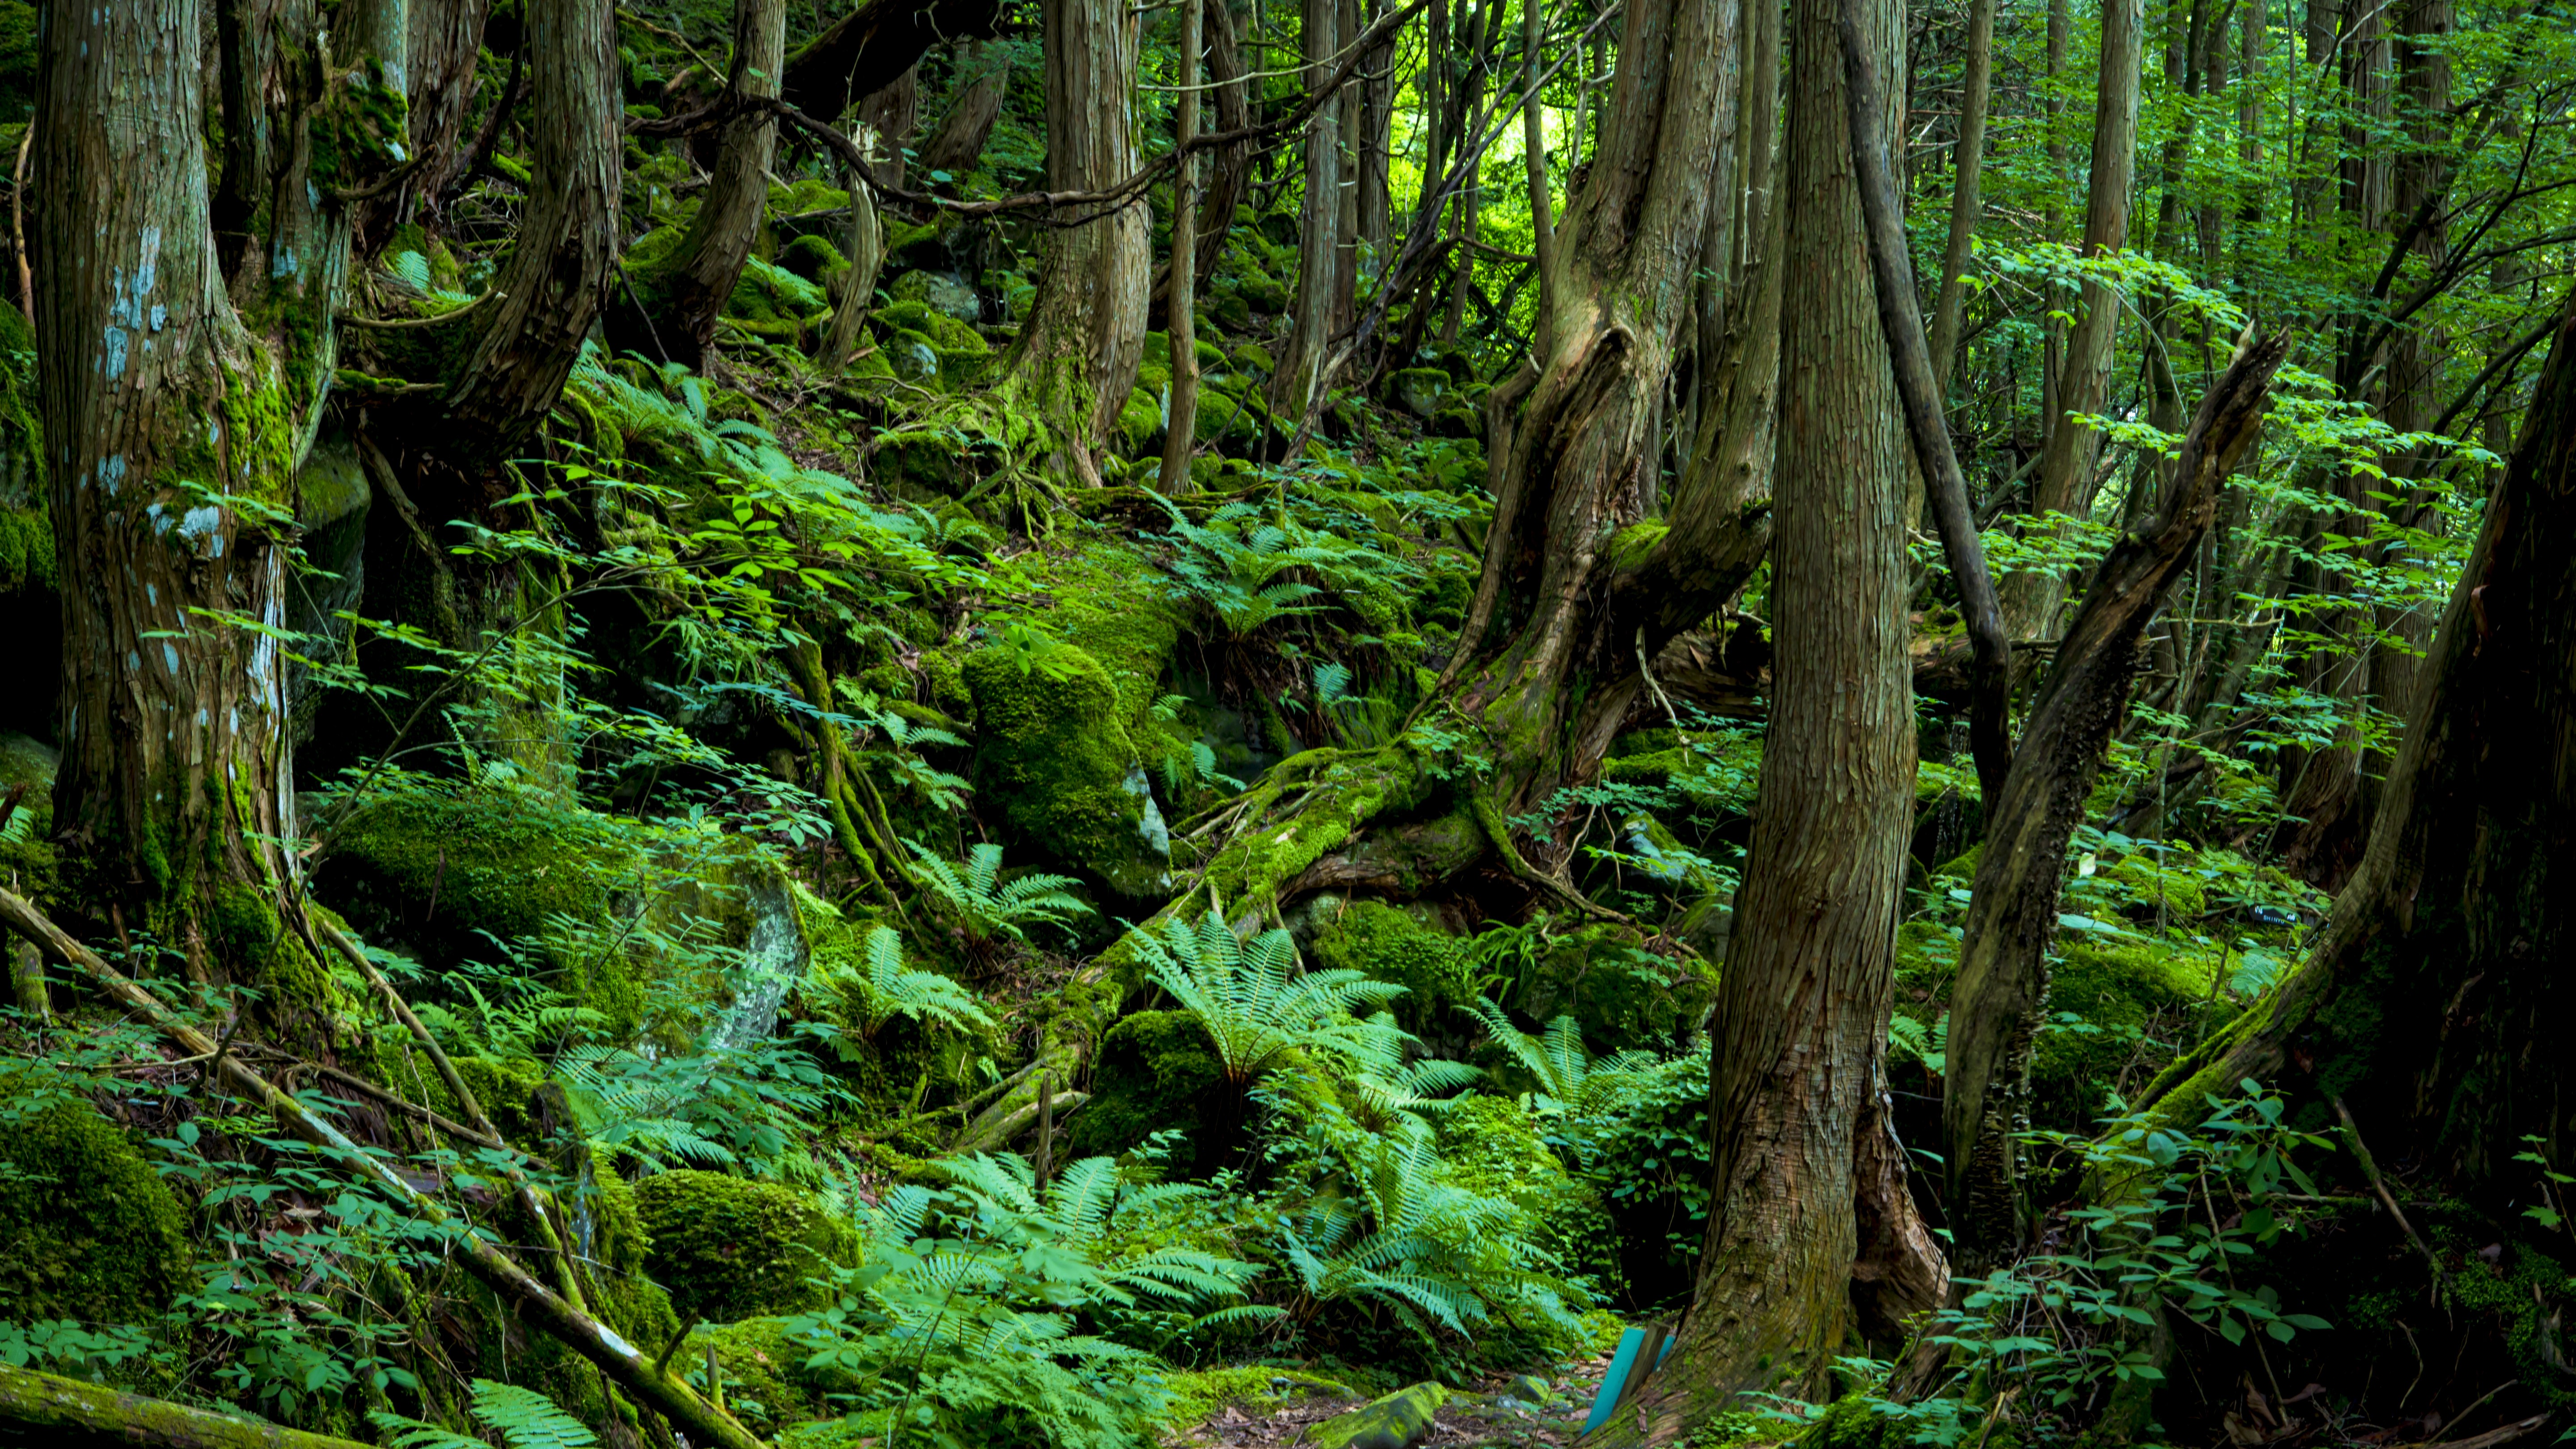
(1882,215)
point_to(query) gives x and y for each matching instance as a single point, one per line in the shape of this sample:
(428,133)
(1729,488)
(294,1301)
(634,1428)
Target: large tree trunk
(1803,1001)
(1076,359)
(2002,992)
(2437,991)
(983,73)
(698,279)
(2065,482)
(176,412)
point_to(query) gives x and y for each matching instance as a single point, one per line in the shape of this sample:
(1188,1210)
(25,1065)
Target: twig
(2379,1186)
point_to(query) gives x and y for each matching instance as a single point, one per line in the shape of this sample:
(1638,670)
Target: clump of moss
(1052,749)
(1624,995)
(1492,1146)
(95,1235)
(1156,1070)
(2112,1007)
(1391,945)
(728,1248)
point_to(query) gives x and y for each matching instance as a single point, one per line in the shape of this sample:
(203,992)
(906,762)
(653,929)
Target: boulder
(1401,1420)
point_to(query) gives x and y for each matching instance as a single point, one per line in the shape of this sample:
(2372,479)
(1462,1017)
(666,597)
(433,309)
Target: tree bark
(2002,990)
(1802,1004)
(178,405)
(892,113)
(983,72)
(1310,324)
(2435,992)
(1075,361)
(1534,160)
(2065,481)
(1180,431)
(558,274)
(1967,203)
(699,278)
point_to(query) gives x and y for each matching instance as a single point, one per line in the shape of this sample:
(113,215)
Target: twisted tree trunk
(698,278)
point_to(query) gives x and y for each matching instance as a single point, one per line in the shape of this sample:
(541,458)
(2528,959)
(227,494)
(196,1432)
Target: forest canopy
(1057,725)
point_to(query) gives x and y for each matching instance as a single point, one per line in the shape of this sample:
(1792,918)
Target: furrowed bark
(983,73)
(699,278)
(538,1305)
(2002,991)
(177,406)
(1801,1014)
(1918,384)
(1310,325)
(2436,986)
(1075,361)
(1180,431)
(558,275)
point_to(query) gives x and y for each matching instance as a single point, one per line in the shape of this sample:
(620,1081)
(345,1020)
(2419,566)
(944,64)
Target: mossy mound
(1390,945)
(94,1234)
(1156,1070)
(958,354)
(1624,996)
(727,1248)
(2112,1006)
(1053,750)
(1493,1146)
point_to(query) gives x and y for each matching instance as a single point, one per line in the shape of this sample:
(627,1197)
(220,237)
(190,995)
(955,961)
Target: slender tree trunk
(1076,359)
(859,283)
(1802,1003)
(2002,992)
(2065,481)
(1226,164)
(1967,201)
(442,56)
(1310,325)
(1349,125)
(177,409)
(1180,431)
(2434,994)
(983,71)
(700,276)
(1534,157)
(2052,351)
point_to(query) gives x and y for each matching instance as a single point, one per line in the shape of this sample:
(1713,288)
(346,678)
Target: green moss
(1156,1070)
(765,1384)
(2106,1003)
(1624,995)
(2157,890)
(1198,1393)
(94,1234)
(1491,1145)
(727,1248)
(811,257)
(1391,945)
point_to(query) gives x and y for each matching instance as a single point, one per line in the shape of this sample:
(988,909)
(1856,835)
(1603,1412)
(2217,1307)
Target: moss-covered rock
(1053,750)
(1421,391)
(94,1234)
(1390,945)
(1624,995)
(1401,1420)
(1156,1070)
(728,1248)
(958,353)
(2113,1005)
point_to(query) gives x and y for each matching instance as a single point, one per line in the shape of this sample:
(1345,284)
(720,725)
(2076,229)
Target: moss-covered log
(76,1415)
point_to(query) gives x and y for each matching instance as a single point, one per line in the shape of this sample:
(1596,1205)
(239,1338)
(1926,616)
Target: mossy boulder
(957,353)
(728,1248)
(812,257)
(2114,1004)
(1420,391)
(1157,1070)
(1053,750)
(1401,1420)
(94,1233)
(1623,995)
(943,292)
(1390,945)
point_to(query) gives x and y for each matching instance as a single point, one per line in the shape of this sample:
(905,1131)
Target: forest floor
(1467,1418)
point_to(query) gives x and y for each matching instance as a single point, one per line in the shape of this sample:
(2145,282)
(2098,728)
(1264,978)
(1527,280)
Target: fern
(889,989)
(1254,1003)
(975,893)
(524,1418)
(1569,1079)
